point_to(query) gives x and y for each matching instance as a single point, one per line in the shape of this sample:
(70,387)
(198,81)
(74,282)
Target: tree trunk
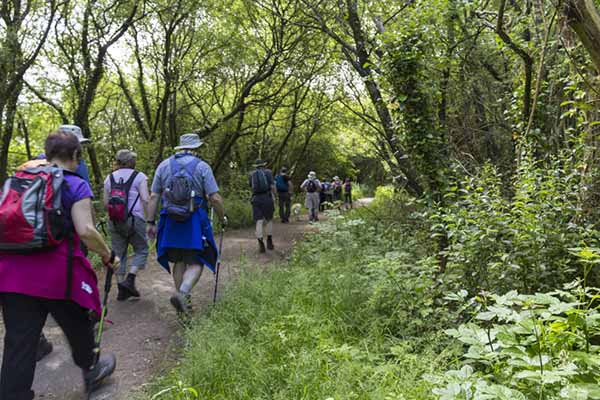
(583,17)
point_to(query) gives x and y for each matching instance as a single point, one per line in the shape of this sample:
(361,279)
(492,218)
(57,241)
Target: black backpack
(311,186)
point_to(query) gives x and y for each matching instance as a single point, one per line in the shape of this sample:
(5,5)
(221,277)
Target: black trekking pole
(107,286)
(218,266)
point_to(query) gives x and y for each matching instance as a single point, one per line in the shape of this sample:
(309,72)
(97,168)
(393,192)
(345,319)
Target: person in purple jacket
(45,347)
(34,285)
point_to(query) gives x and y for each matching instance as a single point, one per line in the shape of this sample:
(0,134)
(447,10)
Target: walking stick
(107,286)
(218,266)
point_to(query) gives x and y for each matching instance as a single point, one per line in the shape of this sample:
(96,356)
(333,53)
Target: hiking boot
(104,367)
(270,242)
(44,348)
(181,302)
(128,286)
(261,246)
(122,294)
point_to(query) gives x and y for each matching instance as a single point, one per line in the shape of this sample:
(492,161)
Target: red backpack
(118,198)
(31,213)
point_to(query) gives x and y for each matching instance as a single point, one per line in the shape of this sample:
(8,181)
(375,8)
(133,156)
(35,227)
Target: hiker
(183,183)
(45,347)
(312,186)
(325,195)
(126,197)
(284,194)
(337,189)
(348,192)
(44,271)
(263,207)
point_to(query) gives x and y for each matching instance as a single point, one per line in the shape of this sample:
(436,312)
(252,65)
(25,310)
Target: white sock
(270,228)
(190,278)
(259,229)
(134,270)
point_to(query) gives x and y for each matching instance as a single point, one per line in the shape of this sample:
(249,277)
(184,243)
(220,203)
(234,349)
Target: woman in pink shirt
(34,285)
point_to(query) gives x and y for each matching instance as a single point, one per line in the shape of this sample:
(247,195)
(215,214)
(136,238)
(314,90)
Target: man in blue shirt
(185,186)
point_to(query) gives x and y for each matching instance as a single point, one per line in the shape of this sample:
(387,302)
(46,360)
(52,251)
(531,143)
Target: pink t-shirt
(140,180)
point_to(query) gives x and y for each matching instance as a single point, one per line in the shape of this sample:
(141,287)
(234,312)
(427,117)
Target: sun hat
(125,156)
(189,141)
(259,163)
(75,131)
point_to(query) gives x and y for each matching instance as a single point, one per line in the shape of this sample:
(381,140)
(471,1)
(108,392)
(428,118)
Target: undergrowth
(341,321)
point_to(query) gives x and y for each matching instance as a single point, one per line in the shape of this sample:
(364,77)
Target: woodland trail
(144,333)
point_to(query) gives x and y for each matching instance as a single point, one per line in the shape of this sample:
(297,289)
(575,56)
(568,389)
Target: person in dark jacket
(263,205)
(284,186)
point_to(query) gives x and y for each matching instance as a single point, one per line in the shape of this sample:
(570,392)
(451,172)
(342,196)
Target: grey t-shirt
(203,178)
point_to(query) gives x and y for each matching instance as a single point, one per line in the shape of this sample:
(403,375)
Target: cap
(125,156)
(75,131)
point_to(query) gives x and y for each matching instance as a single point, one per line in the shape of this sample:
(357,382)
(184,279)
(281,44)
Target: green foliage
(239,210)
(499,243)
(342,321)
(528,347)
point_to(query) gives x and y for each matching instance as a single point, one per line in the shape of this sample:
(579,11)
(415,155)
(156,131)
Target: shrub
(498,243)
(528,347)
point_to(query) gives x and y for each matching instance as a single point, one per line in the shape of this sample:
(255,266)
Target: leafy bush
(528,347)
(239,210)
(498,243)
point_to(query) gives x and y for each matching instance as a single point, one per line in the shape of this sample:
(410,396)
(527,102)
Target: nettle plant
(499,242)
(540,346)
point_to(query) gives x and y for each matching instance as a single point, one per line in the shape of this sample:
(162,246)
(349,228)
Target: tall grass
(312,329)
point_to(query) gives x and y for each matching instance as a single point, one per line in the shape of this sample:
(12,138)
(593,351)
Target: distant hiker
(45,347)
(184,236)
(43,270)
(263,207)
(337,189)
(312,186)
(125,198)
(348,192)
(325,195)
(284,194)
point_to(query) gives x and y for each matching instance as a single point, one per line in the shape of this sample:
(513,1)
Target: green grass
(305,330)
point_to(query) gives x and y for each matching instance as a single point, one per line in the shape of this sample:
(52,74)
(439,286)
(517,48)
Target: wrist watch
(151,222)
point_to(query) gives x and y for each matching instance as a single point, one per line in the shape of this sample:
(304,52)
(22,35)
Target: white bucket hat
(189,141)
(312,175)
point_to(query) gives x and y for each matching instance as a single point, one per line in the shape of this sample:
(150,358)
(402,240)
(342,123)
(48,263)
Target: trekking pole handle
(111,260)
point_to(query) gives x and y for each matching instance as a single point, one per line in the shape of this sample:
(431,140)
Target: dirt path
(144,329)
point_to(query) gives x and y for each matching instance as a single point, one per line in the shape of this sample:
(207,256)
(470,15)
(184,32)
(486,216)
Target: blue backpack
(281,184)
(180,192)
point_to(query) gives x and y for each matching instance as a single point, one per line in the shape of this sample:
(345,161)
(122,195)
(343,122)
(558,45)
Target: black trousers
(24,316)
(285,203)
(348,198)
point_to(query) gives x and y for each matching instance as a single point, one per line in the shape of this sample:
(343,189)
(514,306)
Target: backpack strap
(189,167)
